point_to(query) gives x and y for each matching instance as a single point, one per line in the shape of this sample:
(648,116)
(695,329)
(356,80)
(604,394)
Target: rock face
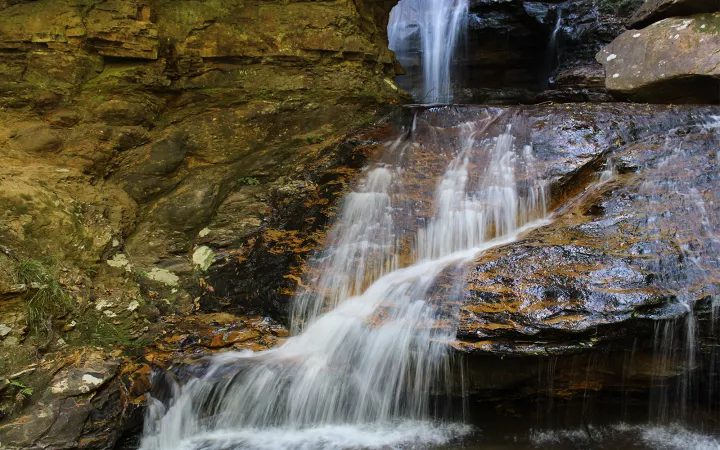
(629,262)
(655,10)
(90,399)
(674,61)
(149,129)
(631,240)
(144,142)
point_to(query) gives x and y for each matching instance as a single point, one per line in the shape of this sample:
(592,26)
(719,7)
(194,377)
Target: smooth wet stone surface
(639,246)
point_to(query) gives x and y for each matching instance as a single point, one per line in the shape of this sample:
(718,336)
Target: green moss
(248,181)
(314,139)
(16,208)
(707,23)
(96,330)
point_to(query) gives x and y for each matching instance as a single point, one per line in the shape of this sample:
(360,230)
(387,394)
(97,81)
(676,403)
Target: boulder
(655,10)
(673,61)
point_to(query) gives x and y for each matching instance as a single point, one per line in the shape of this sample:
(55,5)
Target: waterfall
(553,51)
(369,349)
(436,24)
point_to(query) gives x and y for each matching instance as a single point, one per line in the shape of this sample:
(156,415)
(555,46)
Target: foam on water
(678,438)
(669,437)
(329,437)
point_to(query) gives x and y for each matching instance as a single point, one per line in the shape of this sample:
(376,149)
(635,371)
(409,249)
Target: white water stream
(367,353)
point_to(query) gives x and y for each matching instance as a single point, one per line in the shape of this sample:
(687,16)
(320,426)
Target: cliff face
(143,141)
(174,102)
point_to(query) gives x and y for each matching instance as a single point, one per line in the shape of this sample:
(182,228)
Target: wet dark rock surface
(262,276)
(93,397)
(628,260)
(639,245)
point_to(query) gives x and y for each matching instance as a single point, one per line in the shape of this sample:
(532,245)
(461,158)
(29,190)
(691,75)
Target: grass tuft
(48,298)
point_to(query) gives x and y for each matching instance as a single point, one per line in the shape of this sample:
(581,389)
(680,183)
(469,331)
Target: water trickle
(609,172)
(424,33)
(553,52)
(369,349)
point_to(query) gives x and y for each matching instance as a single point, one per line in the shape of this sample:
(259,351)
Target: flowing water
(425,33)
(372,337)
(553,50)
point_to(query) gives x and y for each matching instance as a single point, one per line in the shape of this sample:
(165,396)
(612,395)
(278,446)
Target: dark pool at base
(585,426)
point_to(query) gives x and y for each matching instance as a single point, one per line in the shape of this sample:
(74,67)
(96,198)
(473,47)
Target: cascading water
(369,352)
(553,51)
(425,33)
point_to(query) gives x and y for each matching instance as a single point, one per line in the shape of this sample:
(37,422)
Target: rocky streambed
(167,169)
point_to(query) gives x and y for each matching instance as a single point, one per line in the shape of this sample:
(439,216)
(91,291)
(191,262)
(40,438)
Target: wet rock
(588,76)
(261,277)
(84,407)
(627,252)
(655,10)
(204,334)
(673,61)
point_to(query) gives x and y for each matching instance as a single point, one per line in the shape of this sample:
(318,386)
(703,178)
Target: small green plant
(48,298)
(25,391)
(314,139)
(248,181)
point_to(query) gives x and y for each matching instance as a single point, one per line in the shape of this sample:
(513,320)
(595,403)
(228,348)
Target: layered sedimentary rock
(144,141)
